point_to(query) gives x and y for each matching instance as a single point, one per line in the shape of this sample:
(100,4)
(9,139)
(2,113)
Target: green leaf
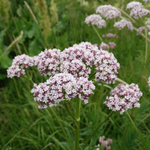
(5,61)
(35,48)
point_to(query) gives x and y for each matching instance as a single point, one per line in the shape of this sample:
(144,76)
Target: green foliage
(24,126)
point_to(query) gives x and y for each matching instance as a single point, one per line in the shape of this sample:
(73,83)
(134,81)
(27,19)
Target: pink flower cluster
(106,66)
(108,11)
(48,61)
(122,23)
(76,67)
(110,35)
(62,87)
(95,20)
(104,46)
(137,10)
(112,45)
(19,63)
(105,143)
(123,97)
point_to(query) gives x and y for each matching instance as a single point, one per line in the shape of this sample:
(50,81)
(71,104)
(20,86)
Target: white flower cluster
(62,87)
(95,20)
(76,67)
(108,11)
(48,61)
(106,66)
(137,10)
(124,97)
(149,81)
(104,46)
(122,23)
(19,62)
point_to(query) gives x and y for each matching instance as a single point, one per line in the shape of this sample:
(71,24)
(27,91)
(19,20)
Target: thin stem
(146,49)
(142,34)
(97,33)
(124,135)
(126,15)
(77,129)
(99,102)
(62,129)
(136,130)
(87,141)
(121,81)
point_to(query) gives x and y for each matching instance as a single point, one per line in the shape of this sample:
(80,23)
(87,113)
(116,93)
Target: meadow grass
(24,126)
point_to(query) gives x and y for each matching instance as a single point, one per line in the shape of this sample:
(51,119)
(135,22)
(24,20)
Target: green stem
(97,33)
(62,129)
(124,135)
(87,141)
(142,35)
(99,102)
(136,130)
(121,81)
(146,49)
(77,129)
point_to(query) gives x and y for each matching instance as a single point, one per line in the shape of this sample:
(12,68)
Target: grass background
(23,126)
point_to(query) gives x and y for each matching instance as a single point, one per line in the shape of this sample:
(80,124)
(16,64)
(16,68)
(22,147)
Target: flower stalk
(77,128)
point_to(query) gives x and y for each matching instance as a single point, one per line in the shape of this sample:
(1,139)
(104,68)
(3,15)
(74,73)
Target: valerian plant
(73,74)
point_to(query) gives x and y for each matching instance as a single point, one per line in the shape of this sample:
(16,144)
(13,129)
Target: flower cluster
(48,61)
(62,87)
(104,46)
(108,11)
(110,35)
(19,63)
(122,23)
(133,5)
(106,66)
(76,67)
(137,10)
(95,20)
(84,88)
(112,45)
(105,143)
(123,97)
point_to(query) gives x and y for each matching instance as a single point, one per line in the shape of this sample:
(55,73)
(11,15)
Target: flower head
(95,20)
(108,11)
(124,97)
(84,88)
(80,52)
(19,63)
(106,66)
(133,5)
(112,45)
(76,67)
(104,46)
(122,23)
(110,35)
(149,81)
(48,62)
(62,86)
